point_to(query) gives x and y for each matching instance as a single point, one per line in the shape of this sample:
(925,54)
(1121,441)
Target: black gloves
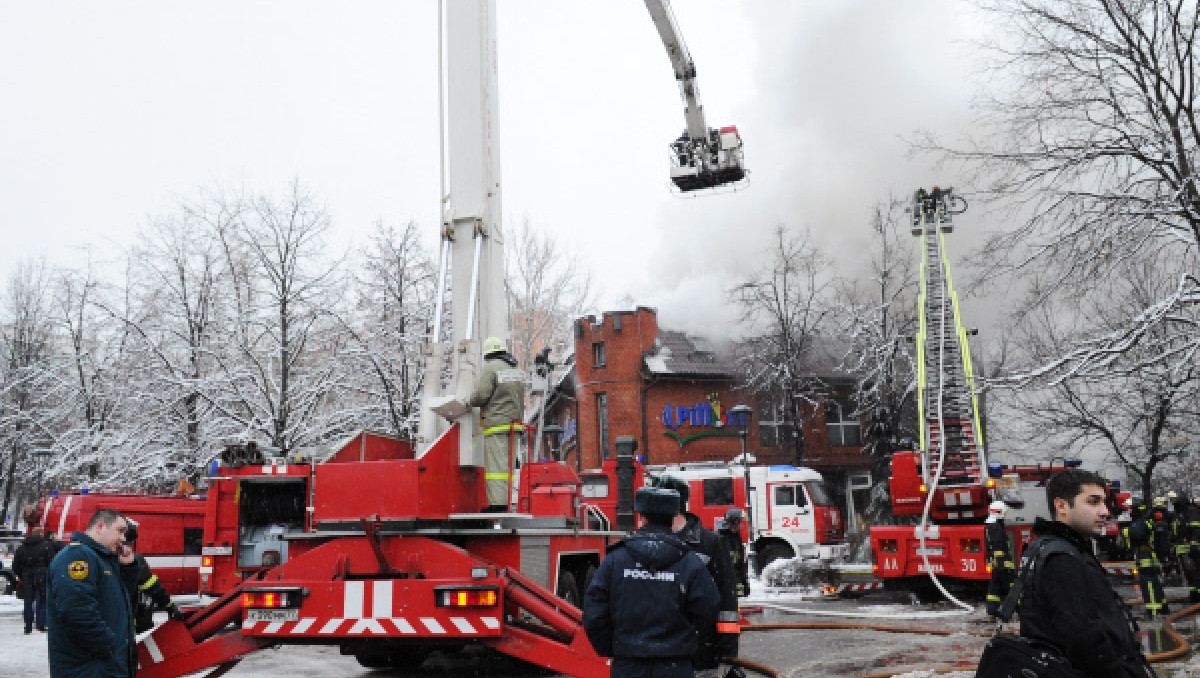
(175,613)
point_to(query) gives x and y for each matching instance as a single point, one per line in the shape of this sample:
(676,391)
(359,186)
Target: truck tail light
(272,598)
(206,561)
(467,596)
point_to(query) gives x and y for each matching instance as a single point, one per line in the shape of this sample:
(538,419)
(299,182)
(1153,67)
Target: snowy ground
(794,653)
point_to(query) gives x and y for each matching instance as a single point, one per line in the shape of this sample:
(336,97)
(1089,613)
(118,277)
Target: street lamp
(741,414)
(39,460)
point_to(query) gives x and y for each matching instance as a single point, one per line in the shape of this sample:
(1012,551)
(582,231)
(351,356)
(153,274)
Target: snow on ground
(20,655)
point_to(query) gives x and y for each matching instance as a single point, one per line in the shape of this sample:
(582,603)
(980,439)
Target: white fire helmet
(997,509)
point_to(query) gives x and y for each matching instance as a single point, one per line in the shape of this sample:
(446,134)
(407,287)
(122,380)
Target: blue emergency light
(995,470)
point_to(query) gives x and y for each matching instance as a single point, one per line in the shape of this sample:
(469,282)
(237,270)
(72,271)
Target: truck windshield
(819,493)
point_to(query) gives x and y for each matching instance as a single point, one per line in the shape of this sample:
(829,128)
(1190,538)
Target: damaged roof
(677,354)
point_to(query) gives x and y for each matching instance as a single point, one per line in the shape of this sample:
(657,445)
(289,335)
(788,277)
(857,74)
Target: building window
(773,428)
(602,422)
(843,428)
(598,354)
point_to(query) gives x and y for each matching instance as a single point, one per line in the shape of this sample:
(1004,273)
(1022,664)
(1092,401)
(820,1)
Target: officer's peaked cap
(656,500)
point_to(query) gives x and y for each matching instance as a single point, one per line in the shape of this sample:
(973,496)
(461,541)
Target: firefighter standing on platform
(1141,540)
(999,557)
(500,396)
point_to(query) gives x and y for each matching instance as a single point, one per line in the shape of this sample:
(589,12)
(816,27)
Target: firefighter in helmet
(150,594)
(731,534)
(1163,527)
(1000,557)
(1189,538)
(1149,571)
(500,396)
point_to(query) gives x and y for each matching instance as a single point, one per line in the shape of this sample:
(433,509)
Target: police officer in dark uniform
(649,597)
(731,533)
(999,557)
(721,640)
(150,594)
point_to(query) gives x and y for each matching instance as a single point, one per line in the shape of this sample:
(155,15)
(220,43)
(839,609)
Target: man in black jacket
(1070,603)
(30,562)
(150,594)
(649,596)
(720,640)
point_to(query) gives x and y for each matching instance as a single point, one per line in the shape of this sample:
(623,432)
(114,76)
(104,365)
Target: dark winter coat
(149,595)
(1071,605)
(737,557)
(31,561)
(715,555)
(90,615)
(648,597)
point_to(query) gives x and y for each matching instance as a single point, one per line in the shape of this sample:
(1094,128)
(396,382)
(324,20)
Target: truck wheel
(567,589)
(373,660)
(773,552)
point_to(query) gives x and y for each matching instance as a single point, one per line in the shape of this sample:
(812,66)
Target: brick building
(673,393)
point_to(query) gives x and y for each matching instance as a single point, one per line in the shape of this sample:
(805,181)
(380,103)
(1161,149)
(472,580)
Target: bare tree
(1143,411)
(880,317)
(786,308)
(1093,136)
(547,288)
(279,371)
(26,335)
(389,326)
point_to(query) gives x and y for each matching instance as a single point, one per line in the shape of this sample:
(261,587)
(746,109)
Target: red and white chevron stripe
(367,609)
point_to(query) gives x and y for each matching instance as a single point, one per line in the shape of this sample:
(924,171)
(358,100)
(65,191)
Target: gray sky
(113,111)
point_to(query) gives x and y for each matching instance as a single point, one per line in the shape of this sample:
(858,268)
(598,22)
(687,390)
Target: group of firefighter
(1161,537)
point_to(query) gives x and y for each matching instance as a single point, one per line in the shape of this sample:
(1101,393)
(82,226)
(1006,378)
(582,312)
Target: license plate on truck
(273,616)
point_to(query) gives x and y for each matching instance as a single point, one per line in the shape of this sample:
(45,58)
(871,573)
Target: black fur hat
(656,500)
(675,483)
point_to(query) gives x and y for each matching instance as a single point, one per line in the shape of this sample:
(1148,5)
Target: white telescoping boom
(702,157)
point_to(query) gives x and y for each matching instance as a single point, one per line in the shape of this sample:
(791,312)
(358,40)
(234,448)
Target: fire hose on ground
(1181,645)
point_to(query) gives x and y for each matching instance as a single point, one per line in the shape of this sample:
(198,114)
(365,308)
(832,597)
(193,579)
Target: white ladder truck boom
(471,246)
(951,444)
(701,157)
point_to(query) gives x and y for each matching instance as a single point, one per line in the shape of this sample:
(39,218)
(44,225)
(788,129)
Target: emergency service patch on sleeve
(78,570)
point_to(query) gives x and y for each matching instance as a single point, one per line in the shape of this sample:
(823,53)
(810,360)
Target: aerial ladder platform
(951,439)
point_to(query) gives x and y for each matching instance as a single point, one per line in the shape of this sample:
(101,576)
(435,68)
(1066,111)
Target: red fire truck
(793,512)
(945,485)
(379,547)
(170,527)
